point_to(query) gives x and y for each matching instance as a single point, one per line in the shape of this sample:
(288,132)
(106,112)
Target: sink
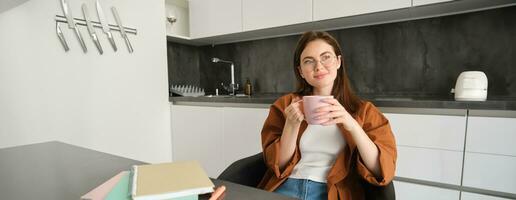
(225,96)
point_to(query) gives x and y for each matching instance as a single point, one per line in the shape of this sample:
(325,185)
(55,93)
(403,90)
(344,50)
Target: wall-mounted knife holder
(82,22)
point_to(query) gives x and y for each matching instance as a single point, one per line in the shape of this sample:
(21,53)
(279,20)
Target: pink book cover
(101,191)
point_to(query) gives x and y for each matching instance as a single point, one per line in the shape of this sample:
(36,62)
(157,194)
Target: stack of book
(184,180)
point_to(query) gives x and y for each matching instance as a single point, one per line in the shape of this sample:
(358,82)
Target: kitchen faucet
(232,87)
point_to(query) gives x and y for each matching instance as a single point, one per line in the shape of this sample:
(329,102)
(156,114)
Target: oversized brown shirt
(343,180)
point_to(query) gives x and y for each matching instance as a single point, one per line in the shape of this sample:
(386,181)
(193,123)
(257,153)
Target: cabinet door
(473,196)
(435,165)
(490,172)
(197,135)
(272,13)
(493,135)
(445,132)
(425,2)
(328,9)
(214,17)
(410,191)
(242,132)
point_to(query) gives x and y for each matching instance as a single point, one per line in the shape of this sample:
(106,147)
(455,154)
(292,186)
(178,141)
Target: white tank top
(319,147)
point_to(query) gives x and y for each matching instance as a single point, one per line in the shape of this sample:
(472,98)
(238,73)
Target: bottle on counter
(248,88)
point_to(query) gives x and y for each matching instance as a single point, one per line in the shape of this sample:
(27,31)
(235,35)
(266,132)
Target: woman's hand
(219,193)
(293,112)
(335,113)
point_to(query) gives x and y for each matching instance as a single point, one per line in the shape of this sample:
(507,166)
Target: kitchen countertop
(493,103)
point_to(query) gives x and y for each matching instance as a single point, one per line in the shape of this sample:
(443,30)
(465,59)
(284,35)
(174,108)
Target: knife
(71,24)
(91,30)
(105,26)
(61,37)
(122,29)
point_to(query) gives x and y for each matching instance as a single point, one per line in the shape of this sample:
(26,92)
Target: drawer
(490,172)
(411,191)
(432,131)
(435,165)
(495,135)
(473,196)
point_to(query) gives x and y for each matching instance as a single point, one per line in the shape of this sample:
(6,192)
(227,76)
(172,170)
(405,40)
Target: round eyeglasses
(326,60)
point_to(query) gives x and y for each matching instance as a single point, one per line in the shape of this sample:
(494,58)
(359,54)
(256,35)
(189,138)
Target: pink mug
(312,103)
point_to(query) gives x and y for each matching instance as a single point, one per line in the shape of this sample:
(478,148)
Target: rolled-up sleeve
(271,134)
(377,127)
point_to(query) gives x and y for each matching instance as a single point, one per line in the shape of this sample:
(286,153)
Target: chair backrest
(250,170)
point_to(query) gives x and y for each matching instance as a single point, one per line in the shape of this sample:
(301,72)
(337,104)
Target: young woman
(355,144)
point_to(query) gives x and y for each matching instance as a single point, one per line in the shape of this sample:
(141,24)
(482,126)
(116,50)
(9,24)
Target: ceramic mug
(310,105)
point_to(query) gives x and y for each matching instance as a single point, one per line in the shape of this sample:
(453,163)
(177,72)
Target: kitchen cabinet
(329,9)
(426,2)
(490,157)
(177,23)
(430,146)
(410,191)
(272,13)
(197,135)
(242,132)
(216,136)
(473,196)
(214,17)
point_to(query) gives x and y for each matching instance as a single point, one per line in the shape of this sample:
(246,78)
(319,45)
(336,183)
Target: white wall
(115,103)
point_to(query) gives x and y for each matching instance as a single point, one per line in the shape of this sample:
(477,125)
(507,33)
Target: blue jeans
(303,189)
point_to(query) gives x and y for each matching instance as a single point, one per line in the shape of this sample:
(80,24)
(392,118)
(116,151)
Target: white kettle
(471,86)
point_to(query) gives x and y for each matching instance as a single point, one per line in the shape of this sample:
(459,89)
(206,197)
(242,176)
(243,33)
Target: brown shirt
(343,181)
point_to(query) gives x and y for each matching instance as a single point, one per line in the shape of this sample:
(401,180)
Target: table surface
(55,171)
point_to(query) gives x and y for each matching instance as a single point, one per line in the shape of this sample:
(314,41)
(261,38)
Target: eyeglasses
(327,60)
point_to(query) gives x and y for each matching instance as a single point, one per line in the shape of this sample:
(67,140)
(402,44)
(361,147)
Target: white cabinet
(197,135)
(434,165)
(490,172)
(430,147)
(216,136)
(429,131)
(490,159)
(410,191)
(214,17)
(329,9)
(272,13)
(242,132)
(426,2)
(177,12)
(493,135)
(472,196)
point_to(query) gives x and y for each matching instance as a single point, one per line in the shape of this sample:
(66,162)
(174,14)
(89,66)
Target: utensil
(105,26)
(71,23)
(91,30)
(61,37)
(122,29)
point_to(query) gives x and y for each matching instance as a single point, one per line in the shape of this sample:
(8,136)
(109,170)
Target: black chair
(249,171)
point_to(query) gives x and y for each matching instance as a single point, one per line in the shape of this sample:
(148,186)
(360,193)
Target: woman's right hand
(294,113)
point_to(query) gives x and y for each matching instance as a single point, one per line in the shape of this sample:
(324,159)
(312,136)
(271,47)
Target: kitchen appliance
(471,86)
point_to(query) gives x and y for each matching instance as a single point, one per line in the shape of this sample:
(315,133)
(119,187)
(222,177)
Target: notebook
(121,189)
(169,181)
(101,191)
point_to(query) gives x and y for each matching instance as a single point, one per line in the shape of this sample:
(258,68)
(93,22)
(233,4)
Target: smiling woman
(331,160)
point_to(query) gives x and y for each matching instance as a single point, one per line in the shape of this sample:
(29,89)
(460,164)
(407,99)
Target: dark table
(59,171)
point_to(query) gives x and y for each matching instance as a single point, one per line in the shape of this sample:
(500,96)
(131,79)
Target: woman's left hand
(335,113)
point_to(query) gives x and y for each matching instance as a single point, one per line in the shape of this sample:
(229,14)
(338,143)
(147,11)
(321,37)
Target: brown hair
(341,88)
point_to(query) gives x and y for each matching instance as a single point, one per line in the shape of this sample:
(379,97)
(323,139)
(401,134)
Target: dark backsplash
(414,58)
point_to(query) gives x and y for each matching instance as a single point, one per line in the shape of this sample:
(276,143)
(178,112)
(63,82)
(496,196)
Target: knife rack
(82,22)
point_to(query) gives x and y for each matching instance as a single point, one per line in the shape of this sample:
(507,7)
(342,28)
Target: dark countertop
(493,103)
